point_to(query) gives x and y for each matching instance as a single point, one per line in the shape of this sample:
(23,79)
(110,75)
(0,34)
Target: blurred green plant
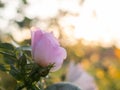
(18,63)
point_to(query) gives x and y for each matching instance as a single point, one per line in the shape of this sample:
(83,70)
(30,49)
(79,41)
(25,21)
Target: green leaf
(45,70)
(22,60)
(2,67)
(29,67)
(20,86)
(34,87)
(9,59)
(7,46)
(5,53)
(34,74)
(37,72)
(26,48)
(23,49)
(15,73)
(18,53)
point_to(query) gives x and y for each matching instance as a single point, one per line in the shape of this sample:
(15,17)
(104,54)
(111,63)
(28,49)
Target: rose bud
(46,49)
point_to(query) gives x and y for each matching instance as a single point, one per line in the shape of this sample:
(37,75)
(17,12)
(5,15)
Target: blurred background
(88,29)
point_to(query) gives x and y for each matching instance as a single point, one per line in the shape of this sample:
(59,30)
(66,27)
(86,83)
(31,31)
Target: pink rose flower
(46,49)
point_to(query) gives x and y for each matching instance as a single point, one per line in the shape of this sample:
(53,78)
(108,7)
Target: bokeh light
(88,29)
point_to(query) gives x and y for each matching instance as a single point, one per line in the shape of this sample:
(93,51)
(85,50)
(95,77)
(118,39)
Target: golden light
(94,20)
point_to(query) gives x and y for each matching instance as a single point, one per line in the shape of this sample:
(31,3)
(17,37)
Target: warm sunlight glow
(93,20)
(98,21)
(42,8)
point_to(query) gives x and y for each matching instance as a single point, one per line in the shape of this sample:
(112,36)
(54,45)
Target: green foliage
(2,67)
(15,73)
(6,49)
(6,46)
(19,64)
